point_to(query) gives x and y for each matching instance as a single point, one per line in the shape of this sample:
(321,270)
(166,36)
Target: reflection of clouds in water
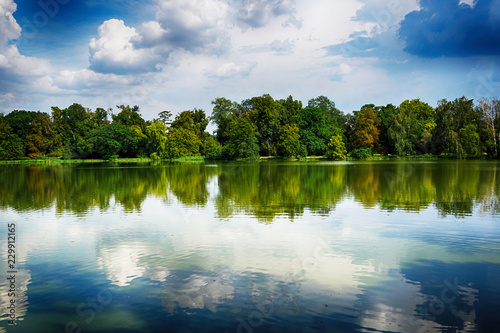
(23,279)
(122,263)
(198,292)
(409,309)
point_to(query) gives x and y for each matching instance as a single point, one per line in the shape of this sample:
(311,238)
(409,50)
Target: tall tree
(490,112)
(334,118)
(313,130)
(157,135)
(11,145)
(38,141)
(289,108)
(266,116)
(336,148)
(385,145)
(100,117)
(182,142)
(289,144)
(410,127)
(451,118)
(242,140)
(165,117)
(20,121)
(129,116)
(223,114)
(109,141)
(366,132)
(196,122)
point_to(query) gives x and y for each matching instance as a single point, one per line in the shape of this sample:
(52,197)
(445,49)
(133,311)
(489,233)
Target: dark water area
(251,247)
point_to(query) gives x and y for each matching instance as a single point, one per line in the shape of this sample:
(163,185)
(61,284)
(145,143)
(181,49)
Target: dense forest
(259,126)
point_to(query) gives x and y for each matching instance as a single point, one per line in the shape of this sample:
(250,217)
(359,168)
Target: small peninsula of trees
(259,126)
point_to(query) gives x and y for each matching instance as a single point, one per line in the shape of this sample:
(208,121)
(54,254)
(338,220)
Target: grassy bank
(55,161)
(202,159)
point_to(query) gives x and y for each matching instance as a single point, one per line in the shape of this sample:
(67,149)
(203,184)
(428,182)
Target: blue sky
(180,54)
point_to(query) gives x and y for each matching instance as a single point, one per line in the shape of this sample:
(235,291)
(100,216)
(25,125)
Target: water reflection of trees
(264,190)
(268,190)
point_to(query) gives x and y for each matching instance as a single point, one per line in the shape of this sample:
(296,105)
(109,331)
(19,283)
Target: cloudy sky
(180,54)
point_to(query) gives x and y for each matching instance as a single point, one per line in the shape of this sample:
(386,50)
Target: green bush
(336,148)
(362,153)
(214,151)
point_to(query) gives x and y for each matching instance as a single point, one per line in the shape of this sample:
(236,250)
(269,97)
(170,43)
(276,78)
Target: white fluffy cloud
(88,79)
(259,13)
(187,52)
(17,72)
(115,52)
(8,25)
(193,24)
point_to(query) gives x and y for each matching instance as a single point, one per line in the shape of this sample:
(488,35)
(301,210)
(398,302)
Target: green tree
(20,122)
(336,148)
(334,118)
(11,146)
(182,142)
(400,133)
(411,126)
(385,145)
(289,144)
(38,141)
(195,121)
(212,148)
(469,140)
(157,139)
(242,140)
(451,118)
(289,108)
(200,122)
(100,117)
(265,115)
(313,130)
(108,141)
(135,146)
(72,129)
(165,117)
(223,114)
(129,116)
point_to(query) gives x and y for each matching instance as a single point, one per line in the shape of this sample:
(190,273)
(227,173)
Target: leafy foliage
(182,142)
(366,130)
(410,127)
(289,144)
(242,141)
(362,153)
(336,148)
(457,125)
(313,130)
(256,126)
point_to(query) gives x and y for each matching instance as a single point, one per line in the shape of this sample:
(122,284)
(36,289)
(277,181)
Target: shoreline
(202,159)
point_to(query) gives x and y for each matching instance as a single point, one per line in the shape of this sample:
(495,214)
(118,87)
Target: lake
(251,247)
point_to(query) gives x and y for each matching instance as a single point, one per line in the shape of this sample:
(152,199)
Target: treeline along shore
(259,126)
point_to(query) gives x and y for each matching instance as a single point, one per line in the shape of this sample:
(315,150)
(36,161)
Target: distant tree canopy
(258,126)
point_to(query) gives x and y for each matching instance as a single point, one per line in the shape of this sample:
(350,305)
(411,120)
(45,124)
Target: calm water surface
(280,247)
